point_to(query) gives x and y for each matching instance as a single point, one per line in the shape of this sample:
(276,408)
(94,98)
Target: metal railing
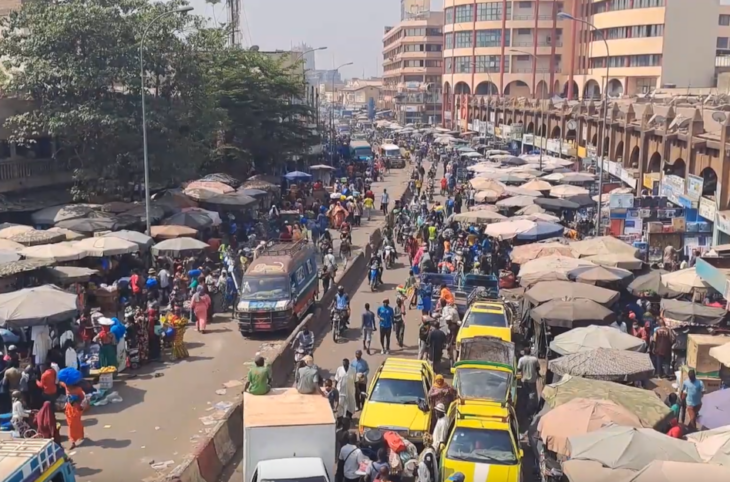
(25,168)
(523,17)
(523,43)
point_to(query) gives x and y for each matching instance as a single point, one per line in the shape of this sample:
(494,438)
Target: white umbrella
(669,471)
(567,190)
(478,217)
(179,245)
(70,235)
(36,306)
(593,337)
(58,252)
(542,217)
(483,184)
(520,191)
(508,229)
(7,245)
(616,260)
(683,281)
(487,195)
(55,214)
(547,268)
(516,202)
(141,240)
(9,232)
(538,185)
(107,246)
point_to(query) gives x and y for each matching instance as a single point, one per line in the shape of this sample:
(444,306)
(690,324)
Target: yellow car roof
(486,414)
(488,307)
(402,369)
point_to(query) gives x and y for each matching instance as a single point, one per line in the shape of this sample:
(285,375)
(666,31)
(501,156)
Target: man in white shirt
(439,431)
(164,276)
(384,200)
(350,458)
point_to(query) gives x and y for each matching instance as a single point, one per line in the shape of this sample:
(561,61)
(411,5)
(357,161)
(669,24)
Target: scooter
(389,257)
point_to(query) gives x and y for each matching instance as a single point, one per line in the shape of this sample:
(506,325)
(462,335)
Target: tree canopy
(208,105)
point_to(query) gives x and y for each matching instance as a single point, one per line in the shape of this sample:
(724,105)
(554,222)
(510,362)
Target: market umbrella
(172,199)
(297,176)
(684,281)
(71,274)
(262,184)
(117,207)
(651,283)
(179,246)
(508,229)
(619,260)
(59,252)
(7,245)
(672,471)
(23,266)
(238,198)
(478,217)
(103,246)
(513,161)
(509,178)
(36,306)
(583,200)
(9,232)
(714,447)
(86,225)
(720,353)
(214,186)
(572,313)
(554,177)
(567,290)
(689,312)
(577,177)
(518,191)
(592,337)
(555,204)
(517,202)
(483,166)
(590,471)
(201,195)
(223,178)
(546,268)
(527,252)
(55,214)
(254,193)
(646,404)
(602,245)
(193,220)
(486,196)
(169,232)
(157,212)
(599,274)
(34,238)
(7,256)
(484,207)
(531,209)
(483,184)
(619,447)
(607,364)
(70,235)
(541,230)
(579,417)
(538,185)
(322,166)
(142,240)
(539,217)
(566,190)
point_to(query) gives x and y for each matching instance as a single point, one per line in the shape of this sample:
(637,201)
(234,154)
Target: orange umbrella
(172,231)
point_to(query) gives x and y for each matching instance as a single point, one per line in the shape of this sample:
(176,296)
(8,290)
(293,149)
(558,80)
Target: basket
(106,381)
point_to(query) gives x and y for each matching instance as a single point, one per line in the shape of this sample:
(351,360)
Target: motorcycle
(389,255)
(338,325)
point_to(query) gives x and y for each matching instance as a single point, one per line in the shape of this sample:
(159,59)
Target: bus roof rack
(284,248)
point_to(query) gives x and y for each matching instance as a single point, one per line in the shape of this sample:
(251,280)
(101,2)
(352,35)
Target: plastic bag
(394,441)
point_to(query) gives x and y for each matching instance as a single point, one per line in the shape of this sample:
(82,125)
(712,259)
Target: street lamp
(144,113)
(602,140)
(332,113)
(542,113)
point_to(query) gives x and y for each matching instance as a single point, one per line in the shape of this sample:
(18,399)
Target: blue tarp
(541,230)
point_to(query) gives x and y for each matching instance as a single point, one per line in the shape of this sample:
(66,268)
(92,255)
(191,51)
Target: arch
(591,90)
(655,162)
(634,159)
(571,135)
(530,127)
(509,122)
(542,131)
(606,145)
(575,89)
(619,151)
(517,88)
(594,140)
(615,88)
(542,91)
(462,88)
(555,134)
(709,186)
(447,88)
(678,168)
(556,87)
(486,88)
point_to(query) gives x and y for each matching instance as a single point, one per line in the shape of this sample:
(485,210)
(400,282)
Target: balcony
(17,174)
(527,16)
(523,43)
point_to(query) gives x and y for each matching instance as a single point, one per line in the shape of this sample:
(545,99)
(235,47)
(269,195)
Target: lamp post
(332,114)
(601,141)
(542,113)
(144,113)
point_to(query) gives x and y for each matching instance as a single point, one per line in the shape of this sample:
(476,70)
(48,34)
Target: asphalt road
(159,420)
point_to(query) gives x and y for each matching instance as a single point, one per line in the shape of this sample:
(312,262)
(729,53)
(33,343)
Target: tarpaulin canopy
(602,245)
(684,281)
(688,312)
(567,290)
(605,364)
(589,338)
(599,274)
(651,284)
(178,246)
(541,230)
(572,313)
(527,252)
(36,306)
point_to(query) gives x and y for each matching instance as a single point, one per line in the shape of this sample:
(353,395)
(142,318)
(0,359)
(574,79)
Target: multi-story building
(525,48)
(411,8)
(412,68)
(307,56)
(358,93)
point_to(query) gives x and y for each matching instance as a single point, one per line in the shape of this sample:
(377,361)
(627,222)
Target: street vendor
(108,342)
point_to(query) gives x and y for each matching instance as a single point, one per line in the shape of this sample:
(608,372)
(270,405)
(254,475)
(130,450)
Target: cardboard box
(698,354)
(654,227)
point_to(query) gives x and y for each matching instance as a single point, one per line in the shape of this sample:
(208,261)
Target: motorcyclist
(375,263)
(388,243)
(304,341)
(330,262)
(342,304)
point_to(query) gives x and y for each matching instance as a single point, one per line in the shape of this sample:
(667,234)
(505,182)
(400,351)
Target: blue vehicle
(361,150)
(34,460)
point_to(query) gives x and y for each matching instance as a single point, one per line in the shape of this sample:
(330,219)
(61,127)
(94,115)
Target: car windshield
(255,288)
(482,446)
(482,384)
(404,392)
(495,320)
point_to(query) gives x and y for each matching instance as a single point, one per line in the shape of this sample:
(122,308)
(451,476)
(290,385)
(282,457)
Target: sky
(352,30)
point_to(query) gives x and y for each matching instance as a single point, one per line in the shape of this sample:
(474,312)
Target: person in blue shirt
(385,315)
(692,391)
(342,303)
(362,370)
(368,327)
(449,207)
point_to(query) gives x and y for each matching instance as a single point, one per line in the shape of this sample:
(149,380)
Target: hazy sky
(352,30)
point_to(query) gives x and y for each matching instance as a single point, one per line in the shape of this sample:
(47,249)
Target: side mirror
(521,453)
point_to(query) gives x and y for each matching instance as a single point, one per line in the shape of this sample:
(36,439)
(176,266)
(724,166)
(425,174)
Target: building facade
(412,8)
(412,68)
(526,49)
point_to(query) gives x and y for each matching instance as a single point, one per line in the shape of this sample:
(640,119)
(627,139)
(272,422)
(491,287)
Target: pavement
(159,420)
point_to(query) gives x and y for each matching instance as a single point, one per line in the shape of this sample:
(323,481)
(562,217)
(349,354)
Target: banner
(707,209)
(694,187)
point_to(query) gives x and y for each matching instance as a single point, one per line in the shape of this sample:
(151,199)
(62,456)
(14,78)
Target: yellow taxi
(397,399)
(485,318)
(482,443)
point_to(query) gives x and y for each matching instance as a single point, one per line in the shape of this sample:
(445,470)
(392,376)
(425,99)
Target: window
(434,32)
(464,13)
(449,41)
(463,40)
(449,65)
(648,3)
(413,63)
(433,48)
(618,61)
(434,63)
(412,78)
(462,65)
(482,446)
(488,63)
(415,32)
(489,38)
(525,4)
(448,16)
(491,11)
(722,42)
(724,19)
(390,390)
(645,60)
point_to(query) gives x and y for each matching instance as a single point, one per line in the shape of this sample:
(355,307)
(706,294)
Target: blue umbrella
(296,175)
(541,230)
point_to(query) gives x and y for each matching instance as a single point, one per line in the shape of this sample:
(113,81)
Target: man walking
(386,315)
(368,327)
(384,200)
(692,391)
(362,370)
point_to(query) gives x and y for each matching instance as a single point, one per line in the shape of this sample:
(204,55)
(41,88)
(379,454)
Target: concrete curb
(212,454)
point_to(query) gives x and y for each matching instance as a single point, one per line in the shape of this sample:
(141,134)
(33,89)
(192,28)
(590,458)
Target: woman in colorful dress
(199,305)
(74,408)
(180,324)
(143,336)
(108,342)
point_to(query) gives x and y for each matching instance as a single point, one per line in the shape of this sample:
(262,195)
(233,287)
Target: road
(158,423)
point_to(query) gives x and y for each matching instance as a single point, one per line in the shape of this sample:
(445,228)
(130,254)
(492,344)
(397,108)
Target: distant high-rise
(308,57)
(413,8)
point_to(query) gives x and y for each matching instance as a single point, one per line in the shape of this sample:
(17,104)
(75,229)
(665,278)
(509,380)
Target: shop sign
(592,151)
(676,183)
(528,139)
(668,191)
(685,202)
(627,177)
(568,149)
(540,142)
(475,125)
(410,108)
(505,131)
(723,222)
(553,145)
(621,201)
(694,187)
(613,169)
(490,128)
(707,209)
(492,117)
(516,132)
(582,152)
(650,178)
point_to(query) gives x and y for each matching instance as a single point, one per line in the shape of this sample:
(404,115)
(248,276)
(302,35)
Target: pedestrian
(368,327)
(529,368)
(200,305)
(47,384)
(423,331)
(441,392)
(384,200)
(349,460)
(333,396)
(399,326)
(662,340)
(427,461)
(368,205)
(692,391)
(75,406)
(362,369)
(346,378)
(436,342)
(326,277)
(357,212)
(385,315)
(441,428)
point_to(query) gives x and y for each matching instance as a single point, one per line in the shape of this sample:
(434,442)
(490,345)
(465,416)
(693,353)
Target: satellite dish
(680,122)
(720,117)
(572,125)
